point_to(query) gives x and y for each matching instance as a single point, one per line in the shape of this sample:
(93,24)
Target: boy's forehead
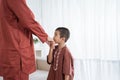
(57,31)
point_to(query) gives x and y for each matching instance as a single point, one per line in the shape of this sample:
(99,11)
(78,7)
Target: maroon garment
(17,24)
(65,65)
(21,76)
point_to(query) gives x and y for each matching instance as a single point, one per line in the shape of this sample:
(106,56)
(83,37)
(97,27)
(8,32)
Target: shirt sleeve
(52,56)
(66,63)
(26,18)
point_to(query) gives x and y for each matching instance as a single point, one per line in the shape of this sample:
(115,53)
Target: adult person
(17,24)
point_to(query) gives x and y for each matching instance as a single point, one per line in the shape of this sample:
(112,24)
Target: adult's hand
(49,40)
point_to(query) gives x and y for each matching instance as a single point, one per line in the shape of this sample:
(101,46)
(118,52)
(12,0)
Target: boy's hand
(52,45)
(67,77)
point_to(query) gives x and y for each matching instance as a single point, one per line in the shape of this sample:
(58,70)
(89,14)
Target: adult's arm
(26,18)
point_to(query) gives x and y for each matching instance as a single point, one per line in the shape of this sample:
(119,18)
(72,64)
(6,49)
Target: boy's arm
(67,65)
(67,77)
(50,55)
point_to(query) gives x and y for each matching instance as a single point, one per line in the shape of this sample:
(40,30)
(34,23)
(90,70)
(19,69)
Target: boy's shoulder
(67,51)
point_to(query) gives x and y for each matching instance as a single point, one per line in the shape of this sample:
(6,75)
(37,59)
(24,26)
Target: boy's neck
(61,45)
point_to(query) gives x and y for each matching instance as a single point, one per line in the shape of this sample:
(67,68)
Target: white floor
(38,75)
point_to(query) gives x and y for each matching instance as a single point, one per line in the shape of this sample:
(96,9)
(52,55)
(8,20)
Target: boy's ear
(63,38)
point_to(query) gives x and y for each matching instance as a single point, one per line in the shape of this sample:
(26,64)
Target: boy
(60,57)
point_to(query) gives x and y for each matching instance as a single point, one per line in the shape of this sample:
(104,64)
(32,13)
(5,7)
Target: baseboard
(42,64)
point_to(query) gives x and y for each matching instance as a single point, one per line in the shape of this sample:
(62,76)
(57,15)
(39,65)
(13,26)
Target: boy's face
(57,38)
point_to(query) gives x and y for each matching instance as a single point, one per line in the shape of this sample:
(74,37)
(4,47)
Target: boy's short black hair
(64,32)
